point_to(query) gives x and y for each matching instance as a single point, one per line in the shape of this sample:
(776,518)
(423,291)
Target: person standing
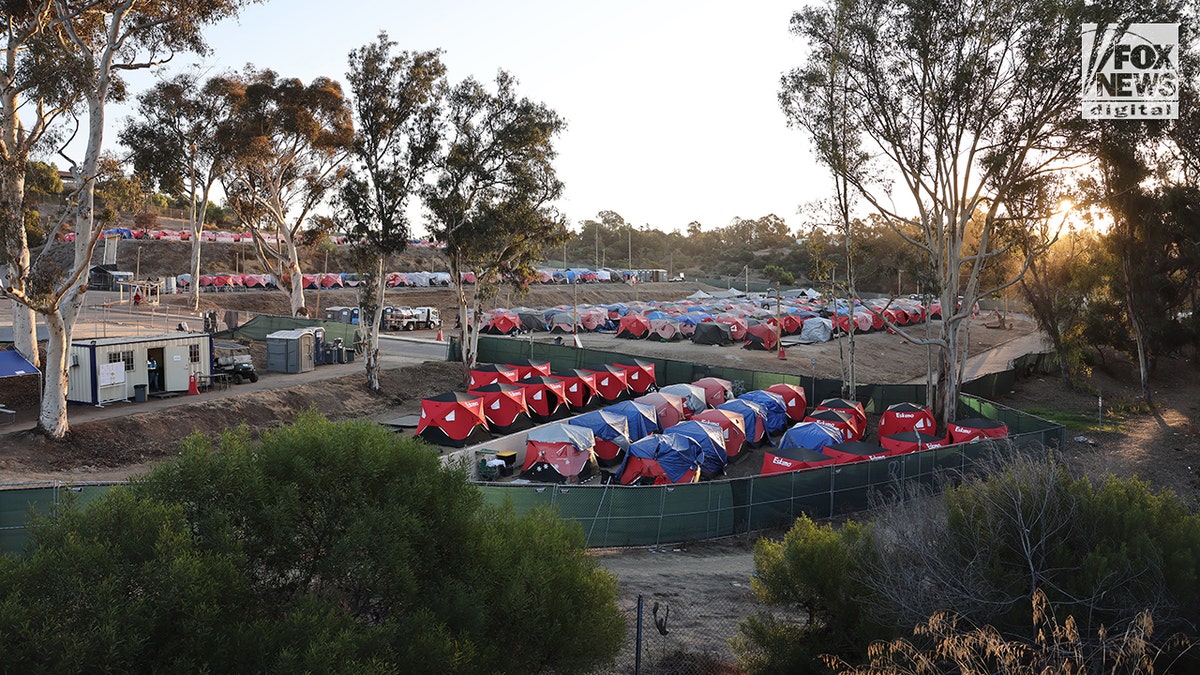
(152,369)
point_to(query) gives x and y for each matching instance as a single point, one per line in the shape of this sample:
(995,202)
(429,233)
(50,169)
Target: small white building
(102,370)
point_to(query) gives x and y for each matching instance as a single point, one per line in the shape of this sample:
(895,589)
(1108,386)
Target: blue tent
(754,414)
(12,364)
(675,453)
(811,436)
(641,418)
(606,425)
(657,315)
(776,408)
(712,444)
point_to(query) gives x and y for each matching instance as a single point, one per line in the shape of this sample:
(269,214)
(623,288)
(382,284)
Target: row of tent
(755,322)
(393,280)
(226,236)
(679,433)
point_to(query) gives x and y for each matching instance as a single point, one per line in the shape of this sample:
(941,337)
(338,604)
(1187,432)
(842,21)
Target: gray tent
(815,329)
(712,333)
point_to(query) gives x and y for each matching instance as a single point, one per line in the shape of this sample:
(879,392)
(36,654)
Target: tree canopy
(327,547)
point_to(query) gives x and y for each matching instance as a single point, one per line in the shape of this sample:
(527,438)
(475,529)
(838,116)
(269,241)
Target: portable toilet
(292,351)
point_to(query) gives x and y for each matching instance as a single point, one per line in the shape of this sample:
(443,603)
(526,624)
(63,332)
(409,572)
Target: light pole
(778,323)
(137,270)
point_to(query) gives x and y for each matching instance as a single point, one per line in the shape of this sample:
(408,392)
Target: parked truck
(410,318)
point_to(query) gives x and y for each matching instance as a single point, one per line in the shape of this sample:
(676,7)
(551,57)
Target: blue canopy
(712,443)
(641,418)
(811,436)
(657,315)
(774,405)
(12,364)
(752,411)
(675,453)
(606,425)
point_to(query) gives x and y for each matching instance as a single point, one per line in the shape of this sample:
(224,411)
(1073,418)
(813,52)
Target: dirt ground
(706,585)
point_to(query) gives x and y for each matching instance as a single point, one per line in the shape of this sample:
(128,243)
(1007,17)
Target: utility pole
(597,261)
(630,247)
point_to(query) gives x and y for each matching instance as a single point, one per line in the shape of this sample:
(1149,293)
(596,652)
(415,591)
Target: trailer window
(118,357)
(194,353)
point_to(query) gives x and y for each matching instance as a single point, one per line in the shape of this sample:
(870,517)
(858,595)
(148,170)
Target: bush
(324,547)
(1098,553)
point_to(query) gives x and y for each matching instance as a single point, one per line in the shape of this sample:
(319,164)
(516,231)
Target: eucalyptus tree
(94,41)
(289,143)
(36,90)
(173,140)
(492,194)
(396,102)
(945,111)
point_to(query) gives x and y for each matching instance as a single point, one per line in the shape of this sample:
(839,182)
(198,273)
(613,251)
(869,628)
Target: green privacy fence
(876,398)
(18,505)
(618,515)
(613,515)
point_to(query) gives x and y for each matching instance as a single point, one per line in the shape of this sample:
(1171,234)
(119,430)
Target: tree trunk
(12,224)
(1135,324)
(293,265)
(197,226)
(52,419)
(370,314)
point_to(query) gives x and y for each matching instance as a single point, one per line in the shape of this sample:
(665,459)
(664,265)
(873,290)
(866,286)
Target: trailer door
(177,368)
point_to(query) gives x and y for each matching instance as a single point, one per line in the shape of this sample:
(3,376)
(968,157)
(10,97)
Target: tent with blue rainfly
(754,415)
(773,404)
(661,459)
(611,432)
(733,428)
(811,435)
(642,418)
(712,445)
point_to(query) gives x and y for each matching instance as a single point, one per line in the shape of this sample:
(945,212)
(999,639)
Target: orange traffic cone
(439,337)
(193,390)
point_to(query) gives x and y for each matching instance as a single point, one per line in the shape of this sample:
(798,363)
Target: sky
(671,106)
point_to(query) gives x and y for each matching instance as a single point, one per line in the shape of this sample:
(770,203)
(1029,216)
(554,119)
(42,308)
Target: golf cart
(234,360)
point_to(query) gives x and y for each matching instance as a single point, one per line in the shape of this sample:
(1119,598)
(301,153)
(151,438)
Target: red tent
(782,460)
(850,452)
(838,419)
(488,373)
(910,441)
(853,407)
(669,406)
(634,326)
(559,453)
(504,407)
(530,368)
(716,390)
(638,373)
(502,323)
(580,387)
(975,428)
(901,417)
(737,325)
(794,399)
(453,419)
(761,336)
(610,382)
(733,428)
(544,396)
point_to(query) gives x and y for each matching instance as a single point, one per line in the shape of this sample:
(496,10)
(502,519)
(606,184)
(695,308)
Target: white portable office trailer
(107,369)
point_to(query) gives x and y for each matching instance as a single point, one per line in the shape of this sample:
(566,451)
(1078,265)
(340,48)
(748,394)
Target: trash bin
(349,355)
(139,393)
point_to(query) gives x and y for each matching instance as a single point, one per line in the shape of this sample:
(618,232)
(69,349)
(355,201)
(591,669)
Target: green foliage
(1101,553)
(323,548)
(42,180)
(778,275)
(813,571)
